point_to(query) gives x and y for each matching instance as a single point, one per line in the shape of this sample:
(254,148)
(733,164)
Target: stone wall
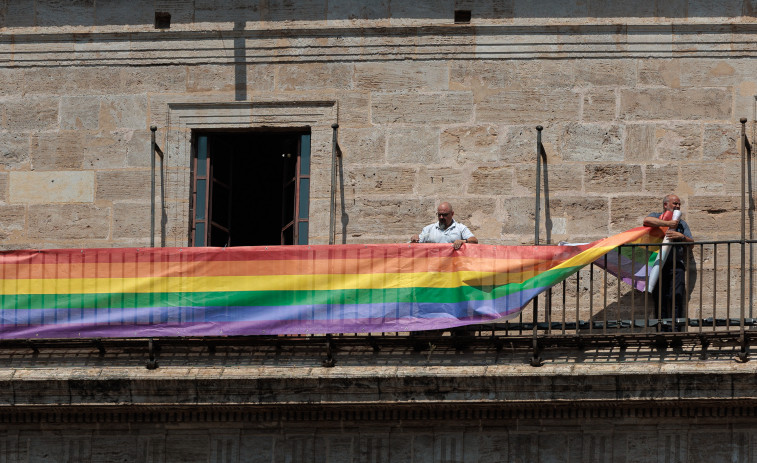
(636,101)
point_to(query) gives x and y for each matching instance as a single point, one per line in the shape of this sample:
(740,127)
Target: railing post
(152,185)
(536,359)
(742,335)
(332,210)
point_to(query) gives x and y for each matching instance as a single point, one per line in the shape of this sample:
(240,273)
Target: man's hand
(458,243)
(415,239)
(674,235)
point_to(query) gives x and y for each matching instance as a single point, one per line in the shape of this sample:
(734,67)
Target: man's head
(444,213)
(671,203)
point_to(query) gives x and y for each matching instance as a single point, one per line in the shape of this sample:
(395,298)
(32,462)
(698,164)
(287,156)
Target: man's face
(673,203)
(444,214)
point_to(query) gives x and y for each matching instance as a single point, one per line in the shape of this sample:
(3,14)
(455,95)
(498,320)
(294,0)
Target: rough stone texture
(51,187)
(591,142)
(70,222)
(413,146)
(470,144)
(30,114)
(529,106)
(123,185)
(492,181)
(609,178)
(687,104)
(599,105)
(131,219)
(362,146)
(14,149)
(661,179)
(442,108)
(380,182)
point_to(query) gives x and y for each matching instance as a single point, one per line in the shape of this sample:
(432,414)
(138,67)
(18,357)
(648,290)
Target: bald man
(446,230)
(674,271)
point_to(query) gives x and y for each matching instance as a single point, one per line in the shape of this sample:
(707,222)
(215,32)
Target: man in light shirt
(446,230)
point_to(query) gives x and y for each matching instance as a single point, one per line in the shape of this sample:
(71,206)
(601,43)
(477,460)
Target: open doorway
(250,188)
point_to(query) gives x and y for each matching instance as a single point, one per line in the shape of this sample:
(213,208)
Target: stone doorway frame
(184,117)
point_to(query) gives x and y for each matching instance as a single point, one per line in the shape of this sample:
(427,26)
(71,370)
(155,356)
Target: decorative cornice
(346,44)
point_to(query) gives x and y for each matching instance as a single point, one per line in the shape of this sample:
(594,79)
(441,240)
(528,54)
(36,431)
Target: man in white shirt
(446,230)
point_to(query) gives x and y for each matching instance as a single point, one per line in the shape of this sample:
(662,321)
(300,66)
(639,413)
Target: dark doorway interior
(252,194)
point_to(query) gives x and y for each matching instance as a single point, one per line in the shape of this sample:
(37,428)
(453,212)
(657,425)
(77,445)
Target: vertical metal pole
(535,360)
(742,336)
(537,208)
(332,212)
(152,186)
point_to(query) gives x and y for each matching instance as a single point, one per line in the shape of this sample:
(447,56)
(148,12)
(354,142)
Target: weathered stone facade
(637,99)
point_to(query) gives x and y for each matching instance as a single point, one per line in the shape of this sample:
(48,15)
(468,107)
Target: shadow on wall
(51,13)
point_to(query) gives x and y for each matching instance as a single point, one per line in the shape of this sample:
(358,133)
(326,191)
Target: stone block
(12,221)
(599,105)
(439,182)
(584,216)
(390,180)
(68,221)
(611,178)
(714,9)
(492,181)
(684,104)
(721,142)
(706,179)
(113,12)
(57,80)
(118,185)
(77,113)
(11,81)
(313,76)
(31,114)
(354,108)
(427,108)
(51,187)
(388,220)
(123,112)
(659,73)
(59,150)
(362,146)
(529,106)
(132,220)
(412,145)
(68,13)
(519,144)
(591,142)
(619,8)
(605,73)
(714,217)
(629,212)
(346,9)
(661,179)
(229,11)
(212,78)
(402,76)
(260,78)
(558,178)
(676,142)
(478,143)
(481,76)
(710,72)
(572,9)
(150,79)
(14,149)
(639,142)
(19,14)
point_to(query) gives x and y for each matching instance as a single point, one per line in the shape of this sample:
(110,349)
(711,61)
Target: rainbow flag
(278,289)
